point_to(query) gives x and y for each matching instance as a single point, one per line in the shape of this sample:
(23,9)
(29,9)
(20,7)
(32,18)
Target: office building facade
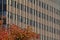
(43,16)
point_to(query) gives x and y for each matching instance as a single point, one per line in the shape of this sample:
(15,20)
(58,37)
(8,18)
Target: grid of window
(32,23)
(32,11)
(44,6)
(43,37)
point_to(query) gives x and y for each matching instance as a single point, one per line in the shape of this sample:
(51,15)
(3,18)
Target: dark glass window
(50,8)
(36,13)
(36,24)
(39,14)
(47,6)
(27,21)
(18,17)
(37,2)
(11,15)
(18,6)
(30,22)
(44,16)
(31,10)
(21,19)
(39,25)
(34,1)
(28,9)
(40,3)
(13,3)
(44,6)
(8,14)
(33,23)
(25,8)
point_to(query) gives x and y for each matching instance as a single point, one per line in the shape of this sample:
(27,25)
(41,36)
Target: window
(51,19)
(31,10)
(11,15)
(39,25)
(25,8)
(34,1)
(21,6)
(54,20)
(51,29)
(8,14)
(37,2)
(18,6)
(14,15)
(47,6)
(54,10)
(18,17)
(44,6)
(40,15)
(36,24)
(24,20)
(27,21)
(44,16)
(40,3)
(36,13)
(13,3)
(31,22)
(21,19)
(58,12)
(51,8)
(28,9)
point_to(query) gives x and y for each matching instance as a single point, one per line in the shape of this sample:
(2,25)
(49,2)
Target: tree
(22,34)
(16,33)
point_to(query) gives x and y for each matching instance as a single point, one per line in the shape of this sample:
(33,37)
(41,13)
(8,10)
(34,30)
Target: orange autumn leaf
(27,32)
(14,31)
(3,35)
